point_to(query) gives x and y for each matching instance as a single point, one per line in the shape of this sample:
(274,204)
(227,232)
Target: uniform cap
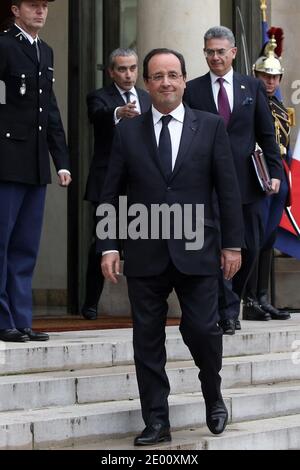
(269,61)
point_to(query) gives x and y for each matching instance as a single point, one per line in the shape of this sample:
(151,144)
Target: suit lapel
(240,94)
(149,139)
(25,44)
(189,130)
(208,96)
(116,96)
(143,103)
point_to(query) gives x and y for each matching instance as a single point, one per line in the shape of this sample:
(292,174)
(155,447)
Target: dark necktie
(223,102)
(127,96)
(165,147)
(37,49)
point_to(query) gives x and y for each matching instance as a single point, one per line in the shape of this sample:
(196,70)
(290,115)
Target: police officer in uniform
(30,128)
(257,306)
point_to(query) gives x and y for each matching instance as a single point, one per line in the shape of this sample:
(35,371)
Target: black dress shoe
(89,312)
(153,434)
(274,312)
(34,335)
(13,336)
(252,311)
(228,326)
(238,325)
(216,417)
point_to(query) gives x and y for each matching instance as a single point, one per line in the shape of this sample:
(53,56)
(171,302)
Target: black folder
(261,170)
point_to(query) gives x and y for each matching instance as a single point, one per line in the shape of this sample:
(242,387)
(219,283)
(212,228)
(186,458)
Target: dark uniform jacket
(30,122)
(101,107)
(250,122)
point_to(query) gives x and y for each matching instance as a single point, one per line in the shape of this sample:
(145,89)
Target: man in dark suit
(242,103)
(170,156)
(106,108)
(30,127)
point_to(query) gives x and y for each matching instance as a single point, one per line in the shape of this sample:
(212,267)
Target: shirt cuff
(234,249)
(64,171)
(117,120)
(108,252)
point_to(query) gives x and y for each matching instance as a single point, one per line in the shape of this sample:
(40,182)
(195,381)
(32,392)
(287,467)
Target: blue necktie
(165,147)
(37,49)
(127,95)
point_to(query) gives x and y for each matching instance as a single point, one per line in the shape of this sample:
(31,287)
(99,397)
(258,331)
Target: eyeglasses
(172,76)
(218,52)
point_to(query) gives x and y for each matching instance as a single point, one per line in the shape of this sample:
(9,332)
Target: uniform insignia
(23,85)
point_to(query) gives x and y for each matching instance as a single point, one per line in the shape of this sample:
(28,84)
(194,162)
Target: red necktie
(223,102)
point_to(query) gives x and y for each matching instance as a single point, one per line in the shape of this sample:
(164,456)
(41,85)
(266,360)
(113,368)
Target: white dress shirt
(27,35)
(228,85)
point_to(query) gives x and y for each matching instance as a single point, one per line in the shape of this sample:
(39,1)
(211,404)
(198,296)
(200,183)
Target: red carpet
(77,323)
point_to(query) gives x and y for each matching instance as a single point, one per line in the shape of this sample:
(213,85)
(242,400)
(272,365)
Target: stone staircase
(79,391)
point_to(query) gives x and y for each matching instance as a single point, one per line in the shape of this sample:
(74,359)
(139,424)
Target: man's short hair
(120,52)
(18,2)
(220,32)
(160,51)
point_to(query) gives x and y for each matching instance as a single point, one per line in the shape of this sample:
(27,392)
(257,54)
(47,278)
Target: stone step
(105,348)
(281,433)
(81,424)
(63,388)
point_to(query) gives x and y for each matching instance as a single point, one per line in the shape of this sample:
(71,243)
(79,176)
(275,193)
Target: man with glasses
(242,102)
(174,155)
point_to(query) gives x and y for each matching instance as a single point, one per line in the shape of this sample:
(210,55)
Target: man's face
(165,82)
(219,56)
(31,15)
(271,82)
(125,72)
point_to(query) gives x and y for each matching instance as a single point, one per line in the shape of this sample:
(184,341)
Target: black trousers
(231,293)
(94,276)
(199,304)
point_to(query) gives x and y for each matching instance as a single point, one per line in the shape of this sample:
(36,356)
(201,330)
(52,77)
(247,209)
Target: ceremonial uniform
(30,127)
(257,288)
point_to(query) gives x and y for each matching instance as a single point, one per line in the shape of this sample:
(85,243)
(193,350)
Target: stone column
(179,25)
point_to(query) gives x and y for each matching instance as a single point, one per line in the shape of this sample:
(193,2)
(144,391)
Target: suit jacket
(101,107)
(30,123)
(204,161)
(251,122)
